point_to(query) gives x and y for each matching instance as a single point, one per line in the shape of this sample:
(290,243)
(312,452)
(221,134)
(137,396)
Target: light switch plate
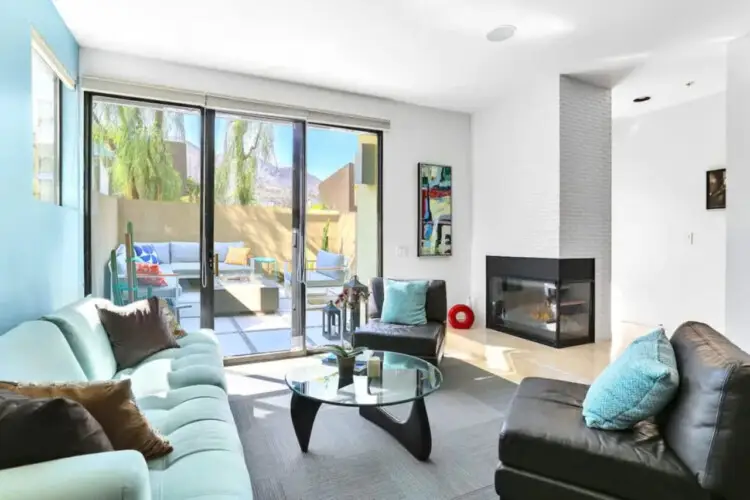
(401,251)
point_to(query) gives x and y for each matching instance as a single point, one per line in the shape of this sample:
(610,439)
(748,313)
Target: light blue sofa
(182,393)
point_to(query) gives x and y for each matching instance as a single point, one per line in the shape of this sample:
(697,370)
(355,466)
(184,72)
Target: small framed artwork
(716,189)
(435,210)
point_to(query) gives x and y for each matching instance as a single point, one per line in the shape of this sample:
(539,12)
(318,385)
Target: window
(45,96)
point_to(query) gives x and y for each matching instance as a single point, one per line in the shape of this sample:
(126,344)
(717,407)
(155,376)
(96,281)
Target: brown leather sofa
(697,449)
(424,341)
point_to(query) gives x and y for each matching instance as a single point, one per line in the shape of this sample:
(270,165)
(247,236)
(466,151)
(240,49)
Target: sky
(327,149)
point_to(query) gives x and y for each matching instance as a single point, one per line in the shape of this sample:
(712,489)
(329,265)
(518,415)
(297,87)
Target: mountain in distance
(273,185)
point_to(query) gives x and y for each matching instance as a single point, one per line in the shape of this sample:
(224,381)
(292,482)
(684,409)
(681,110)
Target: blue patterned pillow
(636,386)
(404,302)
(147,253)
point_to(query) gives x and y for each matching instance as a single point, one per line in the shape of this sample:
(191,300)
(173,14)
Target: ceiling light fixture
(642,99)
(501,33)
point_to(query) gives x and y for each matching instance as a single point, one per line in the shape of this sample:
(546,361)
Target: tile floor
(514,358)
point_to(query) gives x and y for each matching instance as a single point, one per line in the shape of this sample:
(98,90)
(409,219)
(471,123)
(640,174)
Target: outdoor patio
(246,334)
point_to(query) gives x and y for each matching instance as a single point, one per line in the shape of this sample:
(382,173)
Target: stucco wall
(265,230)
(104,238)
(337,191)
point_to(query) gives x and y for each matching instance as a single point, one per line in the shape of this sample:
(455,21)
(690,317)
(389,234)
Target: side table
(265,260)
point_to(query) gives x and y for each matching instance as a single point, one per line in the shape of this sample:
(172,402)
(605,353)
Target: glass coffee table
(403,379)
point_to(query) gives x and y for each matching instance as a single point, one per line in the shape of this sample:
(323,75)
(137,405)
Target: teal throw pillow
(404,302)
(634,387)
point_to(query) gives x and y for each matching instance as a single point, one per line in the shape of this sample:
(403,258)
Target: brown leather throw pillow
(136,331)
(111,404)
(38,430)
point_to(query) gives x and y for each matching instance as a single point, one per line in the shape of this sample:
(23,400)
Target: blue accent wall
(41,245)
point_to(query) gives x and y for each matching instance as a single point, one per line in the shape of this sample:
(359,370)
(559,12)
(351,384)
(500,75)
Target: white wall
(738,187)
(586,186)
(659,169)
(417,134)
(515,198)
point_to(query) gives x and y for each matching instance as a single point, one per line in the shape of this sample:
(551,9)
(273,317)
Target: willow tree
(174,128)
(142,166)
(246,144)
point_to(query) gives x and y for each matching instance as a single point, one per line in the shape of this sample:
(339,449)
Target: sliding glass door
(245,224)
(255,223)
(341,221)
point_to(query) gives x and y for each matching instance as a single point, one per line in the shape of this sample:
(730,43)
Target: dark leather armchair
(698,449)
(424,341)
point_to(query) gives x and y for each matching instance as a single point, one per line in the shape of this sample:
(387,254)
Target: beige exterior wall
(347,239)
(366,224)
(104,238)
(337,191)
(265,230)
(365,229)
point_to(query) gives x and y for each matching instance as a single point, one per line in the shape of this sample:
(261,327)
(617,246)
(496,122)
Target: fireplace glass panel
(574,313)
(531,307)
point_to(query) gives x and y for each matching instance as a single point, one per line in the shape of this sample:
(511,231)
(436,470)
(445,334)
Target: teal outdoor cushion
(404,302)
(636,386)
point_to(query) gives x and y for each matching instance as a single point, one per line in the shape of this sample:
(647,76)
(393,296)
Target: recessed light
(642,99)
(501,33)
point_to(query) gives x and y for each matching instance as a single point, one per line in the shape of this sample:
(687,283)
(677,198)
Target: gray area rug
(351,458)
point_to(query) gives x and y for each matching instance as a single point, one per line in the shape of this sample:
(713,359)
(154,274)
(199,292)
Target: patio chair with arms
(327,270)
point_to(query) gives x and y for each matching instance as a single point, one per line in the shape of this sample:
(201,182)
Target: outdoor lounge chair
(327,270)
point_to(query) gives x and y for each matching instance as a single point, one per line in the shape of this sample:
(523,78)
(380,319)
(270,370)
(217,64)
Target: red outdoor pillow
(153,269)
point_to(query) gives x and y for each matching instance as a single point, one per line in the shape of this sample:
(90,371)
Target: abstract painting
(716,189)
(435,210)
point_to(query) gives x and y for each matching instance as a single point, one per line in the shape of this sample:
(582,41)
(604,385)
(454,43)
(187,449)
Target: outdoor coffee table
(236,295)
(403,379)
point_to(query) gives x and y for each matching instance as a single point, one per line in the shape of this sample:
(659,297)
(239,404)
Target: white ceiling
(431,52)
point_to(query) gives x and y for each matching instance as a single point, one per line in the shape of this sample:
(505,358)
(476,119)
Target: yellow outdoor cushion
(238,256)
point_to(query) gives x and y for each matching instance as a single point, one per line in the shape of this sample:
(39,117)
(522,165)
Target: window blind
(232,104)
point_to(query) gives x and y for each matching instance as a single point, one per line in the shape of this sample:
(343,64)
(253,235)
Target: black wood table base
(303,417)
(413,433)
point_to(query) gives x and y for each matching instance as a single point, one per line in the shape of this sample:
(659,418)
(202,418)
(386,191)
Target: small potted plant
(345,358)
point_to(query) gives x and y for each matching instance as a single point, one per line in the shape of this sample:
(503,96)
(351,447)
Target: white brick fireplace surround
(542,181)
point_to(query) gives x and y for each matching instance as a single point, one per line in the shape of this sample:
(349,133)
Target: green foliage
(142,167)
(324,244)
(193,190)
(245,145)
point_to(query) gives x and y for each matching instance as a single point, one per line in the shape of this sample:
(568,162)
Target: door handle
(300,254)
(211,261)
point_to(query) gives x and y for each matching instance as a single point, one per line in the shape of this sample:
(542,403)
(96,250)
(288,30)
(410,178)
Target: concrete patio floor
(243,335)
